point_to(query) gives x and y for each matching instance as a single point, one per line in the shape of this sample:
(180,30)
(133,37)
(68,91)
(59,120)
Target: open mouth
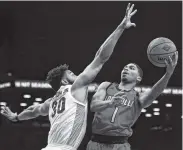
(125,73)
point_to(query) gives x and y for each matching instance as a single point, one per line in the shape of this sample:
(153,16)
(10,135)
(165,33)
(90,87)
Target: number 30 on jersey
(58,106)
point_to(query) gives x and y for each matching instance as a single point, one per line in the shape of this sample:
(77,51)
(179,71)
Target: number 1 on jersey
(114,115)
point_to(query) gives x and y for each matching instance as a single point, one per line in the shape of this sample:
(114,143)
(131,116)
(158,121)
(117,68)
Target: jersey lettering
(54,105)
(108,98)
(123,100)
(61,105)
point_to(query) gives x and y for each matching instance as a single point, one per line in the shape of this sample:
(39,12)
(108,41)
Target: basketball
(159,50)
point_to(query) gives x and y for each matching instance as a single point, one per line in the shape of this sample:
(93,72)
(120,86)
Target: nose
(125,69)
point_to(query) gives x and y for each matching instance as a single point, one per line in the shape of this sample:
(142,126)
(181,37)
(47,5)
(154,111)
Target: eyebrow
(132,66)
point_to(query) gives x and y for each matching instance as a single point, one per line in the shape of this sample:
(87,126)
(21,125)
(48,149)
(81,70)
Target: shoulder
(47,102)
(104,85)
(137,93)
(49,99)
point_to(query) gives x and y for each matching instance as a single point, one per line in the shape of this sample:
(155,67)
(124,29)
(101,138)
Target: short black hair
(139,70)
(55,75)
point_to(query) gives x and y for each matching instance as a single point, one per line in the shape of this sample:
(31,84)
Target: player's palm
(8,114)
(126,23)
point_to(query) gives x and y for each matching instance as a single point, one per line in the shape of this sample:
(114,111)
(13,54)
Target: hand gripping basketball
(171,63)
(126,23)
(159,50)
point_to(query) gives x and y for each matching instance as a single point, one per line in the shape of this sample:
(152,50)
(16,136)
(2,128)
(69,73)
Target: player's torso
(117,121)
(67,118)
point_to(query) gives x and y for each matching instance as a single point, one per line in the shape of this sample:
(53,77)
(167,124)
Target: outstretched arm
(147,98)
(29,113)
(104,52)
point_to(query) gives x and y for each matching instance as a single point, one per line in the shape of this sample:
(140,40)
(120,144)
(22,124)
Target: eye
(71,73)
(131,67)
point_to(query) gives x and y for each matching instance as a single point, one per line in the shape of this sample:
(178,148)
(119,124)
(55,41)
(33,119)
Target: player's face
(71,77)
(129,73)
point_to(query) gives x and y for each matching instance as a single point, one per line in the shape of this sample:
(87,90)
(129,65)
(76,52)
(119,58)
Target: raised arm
(147,98)
(29,113)
(98,103)
(104,52)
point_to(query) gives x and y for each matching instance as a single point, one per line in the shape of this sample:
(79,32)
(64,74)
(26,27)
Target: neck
(126,86)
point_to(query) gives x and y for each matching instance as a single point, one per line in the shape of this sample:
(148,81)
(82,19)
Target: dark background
(37,36)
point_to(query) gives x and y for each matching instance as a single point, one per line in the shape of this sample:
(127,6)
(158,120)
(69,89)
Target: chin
(124,80)
(72,81)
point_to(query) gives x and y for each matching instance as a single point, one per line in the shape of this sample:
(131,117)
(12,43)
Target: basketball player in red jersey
(118,106)
(67,110)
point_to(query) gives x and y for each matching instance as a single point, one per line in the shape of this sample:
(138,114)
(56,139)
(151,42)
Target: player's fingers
(133,24)
(176,57)
(1,111)
(170,60)
(133,13)
(166,62)
(4,113)
(7,108)
(173,57)
(131,8)
(3,108)
(128,7)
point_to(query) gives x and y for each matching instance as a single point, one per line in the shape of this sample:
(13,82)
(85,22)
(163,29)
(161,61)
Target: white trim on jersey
(58,147)
(75,100)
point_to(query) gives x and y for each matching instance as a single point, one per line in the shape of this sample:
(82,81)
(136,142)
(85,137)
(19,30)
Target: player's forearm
(107,47)
(98,106)
(158,88)
(26,115)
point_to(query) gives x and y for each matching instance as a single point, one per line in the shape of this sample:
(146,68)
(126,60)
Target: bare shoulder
(47,102)
(104,85)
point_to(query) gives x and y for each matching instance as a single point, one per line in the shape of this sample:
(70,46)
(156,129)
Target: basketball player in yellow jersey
(118,106)
(68,108)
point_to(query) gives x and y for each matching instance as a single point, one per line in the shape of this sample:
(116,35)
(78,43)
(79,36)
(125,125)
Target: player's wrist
(168,74)
(16,118)
(109,103)
(122,26)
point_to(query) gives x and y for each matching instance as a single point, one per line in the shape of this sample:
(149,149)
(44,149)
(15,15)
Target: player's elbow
(103,58)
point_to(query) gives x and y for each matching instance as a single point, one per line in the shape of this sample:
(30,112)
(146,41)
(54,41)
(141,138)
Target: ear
(139,79)
(64,82)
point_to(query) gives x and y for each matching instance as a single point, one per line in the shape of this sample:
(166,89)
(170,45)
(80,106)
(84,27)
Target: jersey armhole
(139,103)
(78,102)
(108,86)
(107,89)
